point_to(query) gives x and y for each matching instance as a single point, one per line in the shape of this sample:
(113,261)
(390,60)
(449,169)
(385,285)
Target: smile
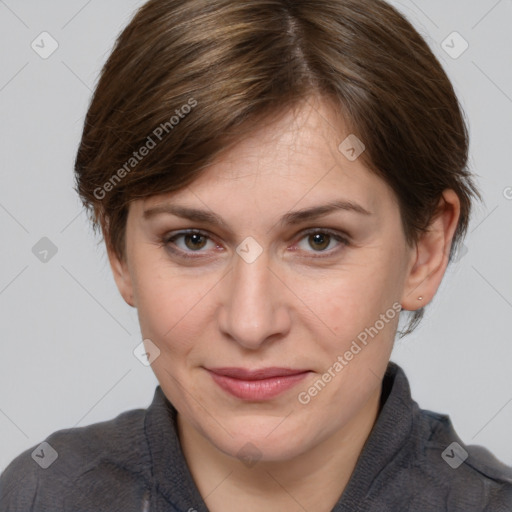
(256,385)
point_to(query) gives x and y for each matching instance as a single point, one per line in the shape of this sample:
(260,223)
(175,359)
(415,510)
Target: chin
(264,440)
(262,450)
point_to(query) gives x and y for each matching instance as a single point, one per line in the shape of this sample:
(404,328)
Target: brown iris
(320,240)
(198,241)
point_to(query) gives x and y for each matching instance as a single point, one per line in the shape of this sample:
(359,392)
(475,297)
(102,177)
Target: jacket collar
(391,432)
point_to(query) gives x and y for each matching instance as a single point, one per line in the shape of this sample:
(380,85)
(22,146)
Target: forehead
(292,157)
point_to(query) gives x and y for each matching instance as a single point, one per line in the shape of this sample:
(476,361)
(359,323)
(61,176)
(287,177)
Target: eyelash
(166,240)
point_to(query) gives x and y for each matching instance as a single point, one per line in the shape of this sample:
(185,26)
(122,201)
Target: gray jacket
(412,461)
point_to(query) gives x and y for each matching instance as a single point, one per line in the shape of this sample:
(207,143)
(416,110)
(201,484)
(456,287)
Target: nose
(254,310)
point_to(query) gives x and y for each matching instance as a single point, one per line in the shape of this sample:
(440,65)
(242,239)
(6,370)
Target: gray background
(67,336)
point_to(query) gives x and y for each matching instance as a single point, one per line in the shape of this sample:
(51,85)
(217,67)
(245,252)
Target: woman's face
(274,325)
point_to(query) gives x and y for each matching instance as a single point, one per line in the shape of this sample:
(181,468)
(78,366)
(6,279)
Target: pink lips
(262,384)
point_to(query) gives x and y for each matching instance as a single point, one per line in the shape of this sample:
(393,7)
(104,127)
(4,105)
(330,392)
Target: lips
(256,385)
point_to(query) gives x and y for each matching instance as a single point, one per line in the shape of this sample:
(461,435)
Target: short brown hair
(187,78)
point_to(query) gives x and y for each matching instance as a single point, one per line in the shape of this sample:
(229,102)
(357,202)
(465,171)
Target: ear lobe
(430,260)
(122,276)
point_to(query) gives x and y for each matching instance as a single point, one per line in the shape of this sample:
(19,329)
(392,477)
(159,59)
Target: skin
(300,304)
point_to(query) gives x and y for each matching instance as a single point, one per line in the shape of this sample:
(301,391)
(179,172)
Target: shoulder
(71,462)
(470,476)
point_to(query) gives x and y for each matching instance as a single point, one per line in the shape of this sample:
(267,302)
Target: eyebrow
(290,218)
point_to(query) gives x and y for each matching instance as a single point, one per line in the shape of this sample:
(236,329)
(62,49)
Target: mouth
(256,385)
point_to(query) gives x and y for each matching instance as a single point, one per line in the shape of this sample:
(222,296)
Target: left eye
(321,240)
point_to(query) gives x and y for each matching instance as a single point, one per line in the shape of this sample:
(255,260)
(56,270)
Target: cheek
(361,313)
(347,301)
(172,307)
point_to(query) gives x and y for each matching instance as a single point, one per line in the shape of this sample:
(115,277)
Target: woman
(275,182)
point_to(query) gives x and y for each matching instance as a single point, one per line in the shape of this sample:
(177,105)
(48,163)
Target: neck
(313,480)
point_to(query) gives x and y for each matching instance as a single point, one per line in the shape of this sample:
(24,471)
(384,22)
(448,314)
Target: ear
(429,263)
(122,276)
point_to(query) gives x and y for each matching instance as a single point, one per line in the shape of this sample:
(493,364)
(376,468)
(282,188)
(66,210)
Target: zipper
(145,501)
